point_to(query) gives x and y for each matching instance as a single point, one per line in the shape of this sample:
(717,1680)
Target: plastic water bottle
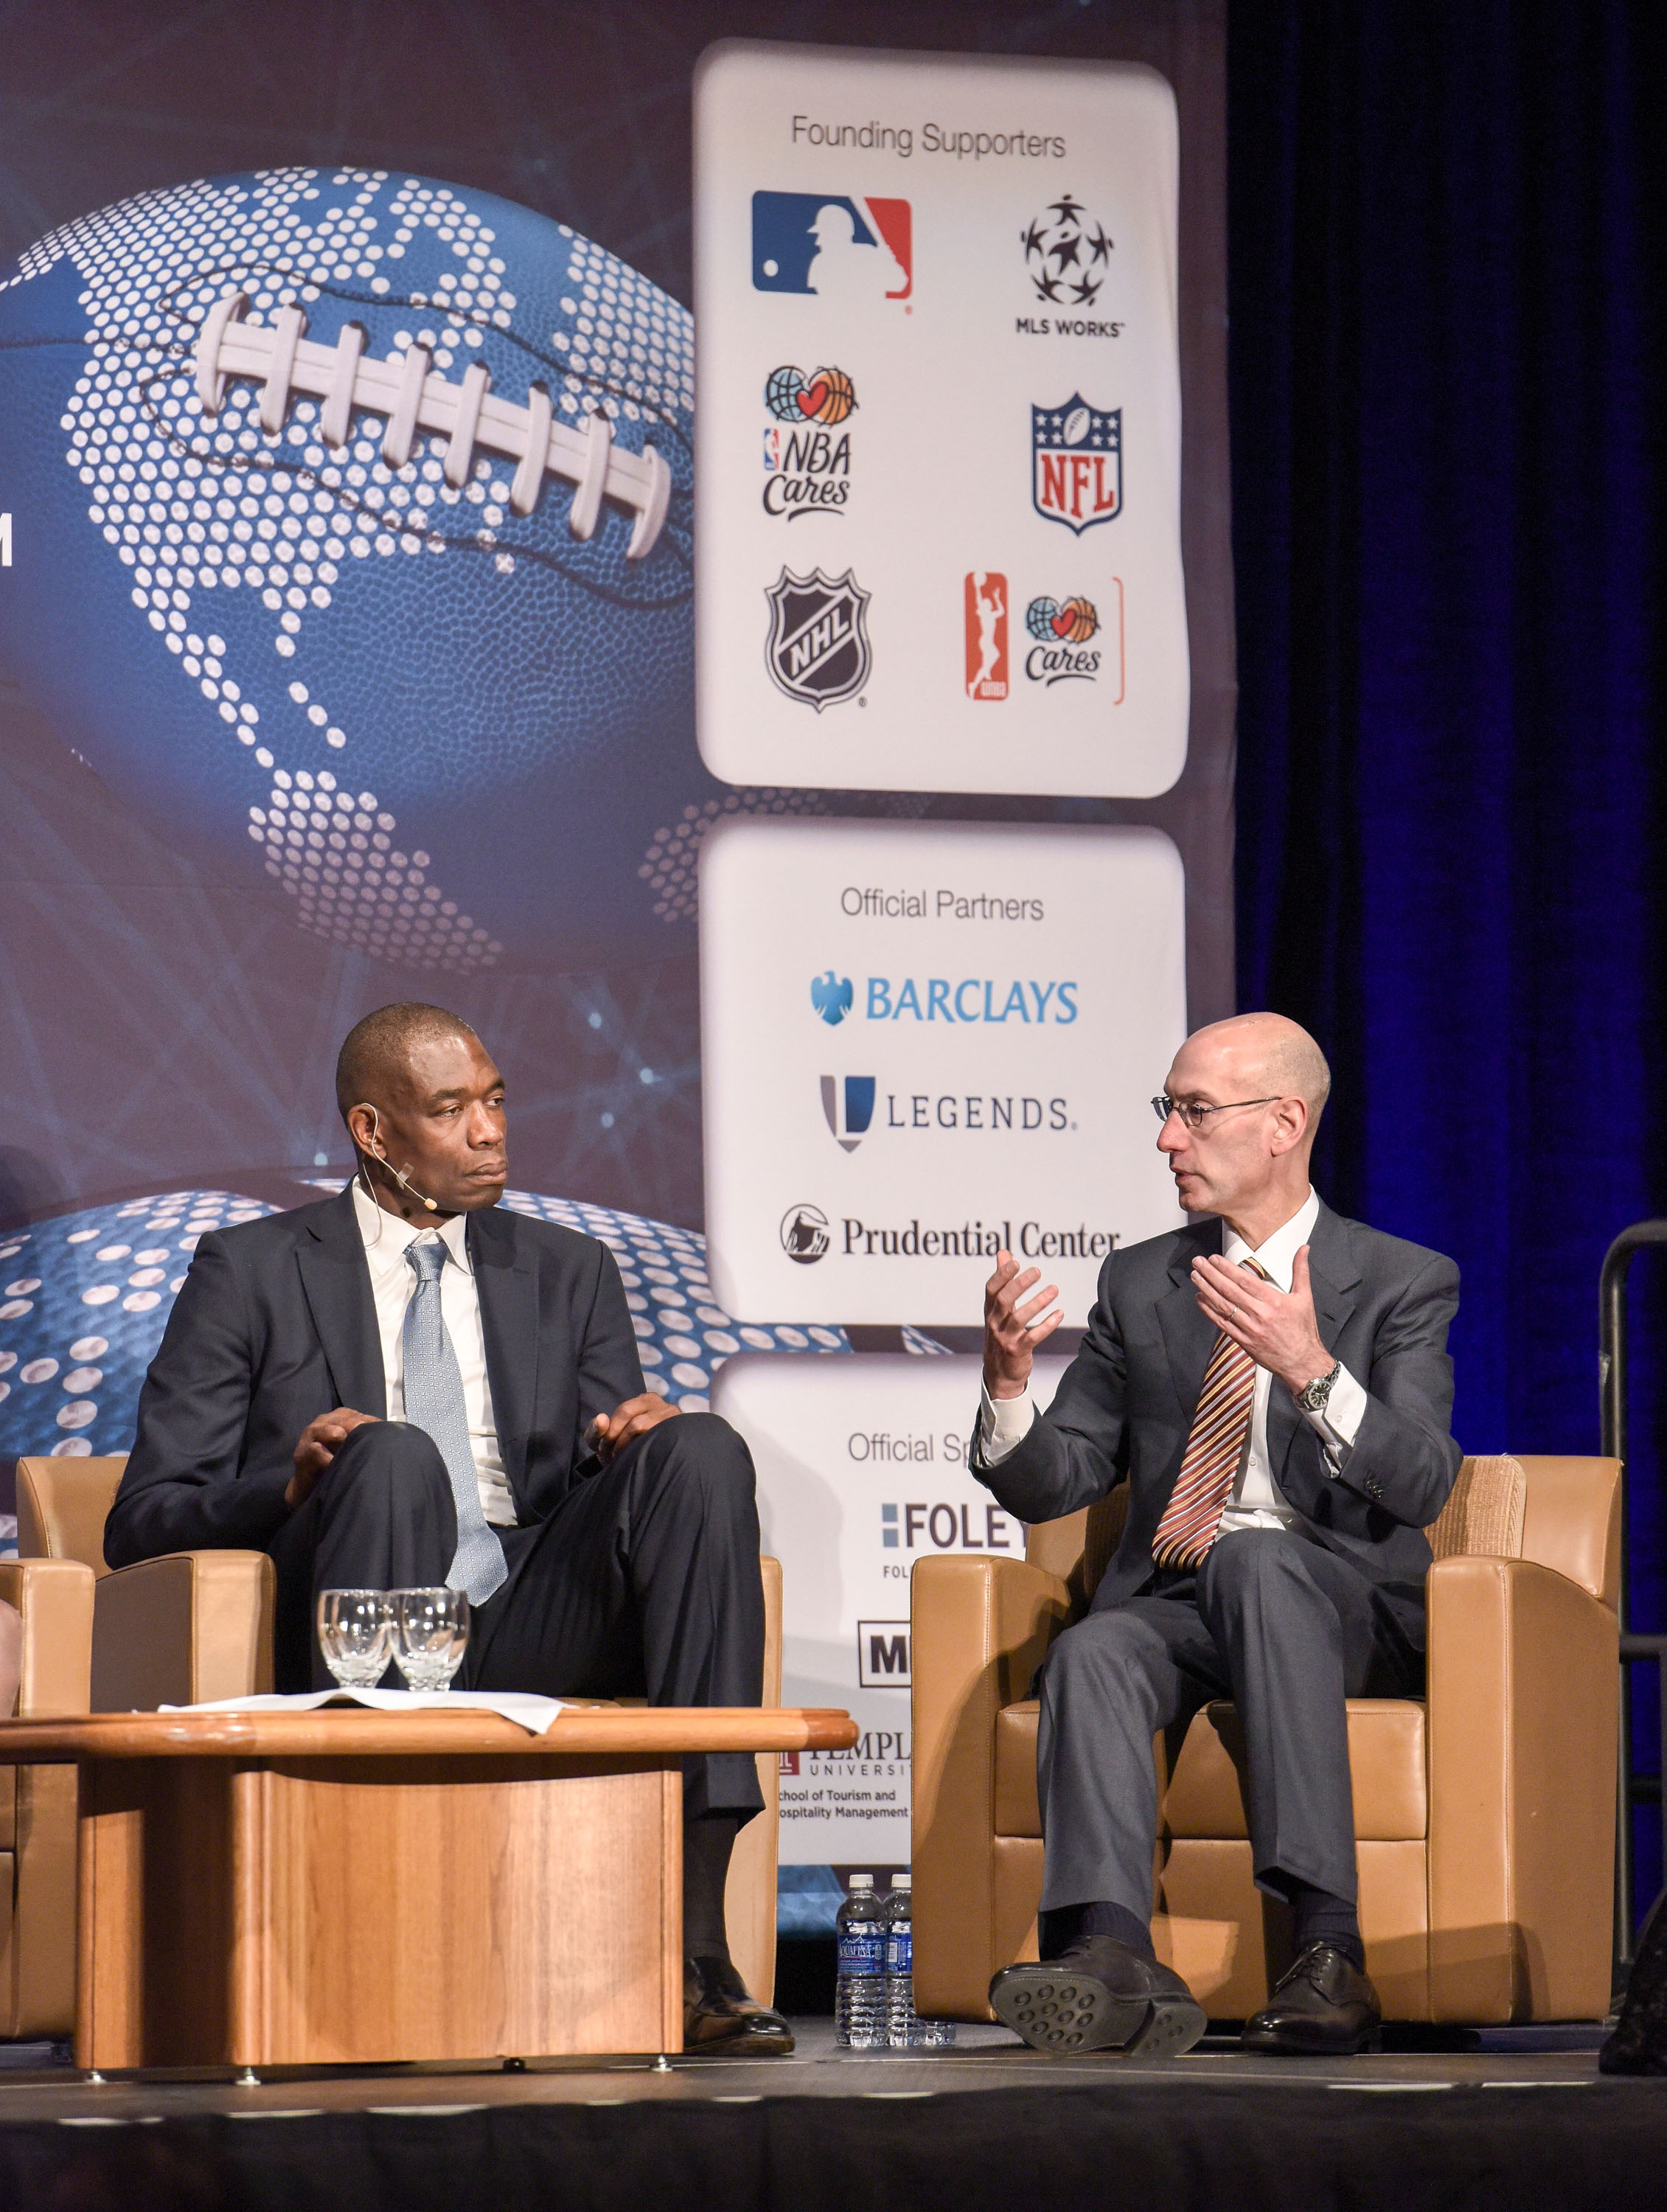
(860,1992)
(904,2029)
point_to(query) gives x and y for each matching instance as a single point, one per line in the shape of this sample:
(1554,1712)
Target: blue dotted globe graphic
(1039,618)
(782,394)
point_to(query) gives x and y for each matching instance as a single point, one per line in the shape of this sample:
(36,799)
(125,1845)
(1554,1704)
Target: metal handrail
(1612,1402)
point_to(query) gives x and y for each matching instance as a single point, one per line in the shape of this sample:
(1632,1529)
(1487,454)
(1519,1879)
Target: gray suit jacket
(1126,1403)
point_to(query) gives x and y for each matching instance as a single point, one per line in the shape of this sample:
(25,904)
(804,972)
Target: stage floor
(828,2129)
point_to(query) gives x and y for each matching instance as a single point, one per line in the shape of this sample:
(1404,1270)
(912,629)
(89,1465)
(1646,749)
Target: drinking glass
(430,1635)
(355,1635)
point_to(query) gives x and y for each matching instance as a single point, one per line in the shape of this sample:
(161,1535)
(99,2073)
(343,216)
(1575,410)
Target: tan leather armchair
(198,1625)
(53,1601)
(1484,1813)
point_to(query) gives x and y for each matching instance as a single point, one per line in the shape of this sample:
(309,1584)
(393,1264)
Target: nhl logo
(817,649)
(1076,462)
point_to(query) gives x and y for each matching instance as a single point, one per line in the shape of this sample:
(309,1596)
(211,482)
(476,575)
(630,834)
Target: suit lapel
(336,1281)
(1334,1275)
(507,1290)
(1189,1338)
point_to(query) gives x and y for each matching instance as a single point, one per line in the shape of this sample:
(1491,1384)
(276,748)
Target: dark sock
(1065,1925)
(707,1844)
(1320,1918)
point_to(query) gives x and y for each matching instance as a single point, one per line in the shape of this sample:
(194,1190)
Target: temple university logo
(1076,462)
(819,636)
(986,596)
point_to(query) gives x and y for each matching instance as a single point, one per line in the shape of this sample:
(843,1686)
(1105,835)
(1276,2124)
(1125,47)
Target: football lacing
(413,398)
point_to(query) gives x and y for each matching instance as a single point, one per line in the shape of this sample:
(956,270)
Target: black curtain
(1447,392)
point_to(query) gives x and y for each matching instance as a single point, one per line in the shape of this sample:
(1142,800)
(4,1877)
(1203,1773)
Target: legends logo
(808,457)
(817,649)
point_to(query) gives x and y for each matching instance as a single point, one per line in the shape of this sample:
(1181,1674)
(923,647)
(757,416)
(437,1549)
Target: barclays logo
(849,1108)
(831,996)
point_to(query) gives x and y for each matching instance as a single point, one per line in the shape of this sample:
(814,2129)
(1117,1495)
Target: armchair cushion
(183,1630)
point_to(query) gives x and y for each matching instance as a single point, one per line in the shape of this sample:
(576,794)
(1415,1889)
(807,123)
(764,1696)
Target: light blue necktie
(435,1403)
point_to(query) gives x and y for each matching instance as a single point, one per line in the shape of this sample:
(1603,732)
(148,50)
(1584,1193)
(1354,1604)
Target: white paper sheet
(534,1713)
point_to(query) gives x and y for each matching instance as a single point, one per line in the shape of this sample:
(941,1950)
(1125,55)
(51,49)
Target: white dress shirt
(392,1283)
(1256,1502)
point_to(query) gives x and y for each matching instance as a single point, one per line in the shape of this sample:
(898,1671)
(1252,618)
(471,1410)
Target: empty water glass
(430,1635)
(355,1635)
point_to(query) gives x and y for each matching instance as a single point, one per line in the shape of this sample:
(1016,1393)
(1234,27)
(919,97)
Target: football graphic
(84,1298)
(351,547)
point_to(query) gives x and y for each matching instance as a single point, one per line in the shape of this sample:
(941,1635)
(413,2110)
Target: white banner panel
(939,432)
(862,1472)
(924,1042)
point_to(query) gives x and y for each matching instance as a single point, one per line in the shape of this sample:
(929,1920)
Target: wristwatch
(1312,1396)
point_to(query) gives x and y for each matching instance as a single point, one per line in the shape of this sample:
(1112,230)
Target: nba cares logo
(832,245)
(1076,462)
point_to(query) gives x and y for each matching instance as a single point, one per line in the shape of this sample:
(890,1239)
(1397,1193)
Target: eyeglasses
(1192,1114)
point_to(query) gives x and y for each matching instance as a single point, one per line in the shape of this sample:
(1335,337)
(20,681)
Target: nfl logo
(1076,464)
(817,649)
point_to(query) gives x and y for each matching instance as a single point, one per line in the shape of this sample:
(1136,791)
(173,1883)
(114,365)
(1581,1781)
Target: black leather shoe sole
(1311,2040)
(1062,2012)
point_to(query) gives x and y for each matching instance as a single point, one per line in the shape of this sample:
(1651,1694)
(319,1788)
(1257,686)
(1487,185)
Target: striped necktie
(1214,1449)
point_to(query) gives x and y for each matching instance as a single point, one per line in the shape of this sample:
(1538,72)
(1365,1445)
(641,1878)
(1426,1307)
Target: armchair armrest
(183,1630)
(1521,1717)
(979,1629)
(53,1601)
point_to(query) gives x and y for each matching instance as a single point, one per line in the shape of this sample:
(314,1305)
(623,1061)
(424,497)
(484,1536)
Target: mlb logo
(848,1107)
(832,245)
(1076,462)
(987,635)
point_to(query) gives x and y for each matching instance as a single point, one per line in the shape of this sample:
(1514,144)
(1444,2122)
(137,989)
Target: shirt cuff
(1338,1425)
(1005,1423)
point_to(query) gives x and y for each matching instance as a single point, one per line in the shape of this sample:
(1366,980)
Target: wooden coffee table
(351,1886)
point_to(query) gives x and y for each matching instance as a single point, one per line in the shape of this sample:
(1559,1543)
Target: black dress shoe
(1099,1995)
(1322,2007)
(721,2013)
(1639,2044)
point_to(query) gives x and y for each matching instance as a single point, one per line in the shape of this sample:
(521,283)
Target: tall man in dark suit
(1274,1384)
(403,1387)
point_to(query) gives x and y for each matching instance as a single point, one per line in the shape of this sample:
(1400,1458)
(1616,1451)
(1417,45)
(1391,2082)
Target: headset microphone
(398,1174)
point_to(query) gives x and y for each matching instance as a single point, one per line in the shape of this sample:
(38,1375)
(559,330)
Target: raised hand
(1014,1324)
(1277,1328)
(321,1440)
(610,1433)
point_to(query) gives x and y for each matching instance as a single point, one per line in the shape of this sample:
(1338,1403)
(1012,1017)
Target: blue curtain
(1447,392)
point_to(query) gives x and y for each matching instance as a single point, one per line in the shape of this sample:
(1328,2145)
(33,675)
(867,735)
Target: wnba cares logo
(1061,629)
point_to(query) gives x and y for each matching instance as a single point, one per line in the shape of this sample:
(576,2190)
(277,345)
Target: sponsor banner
(939,393)
(862,1473)
(924,1042)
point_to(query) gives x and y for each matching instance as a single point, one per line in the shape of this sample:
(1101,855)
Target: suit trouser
(643,1582)
(1287,1632)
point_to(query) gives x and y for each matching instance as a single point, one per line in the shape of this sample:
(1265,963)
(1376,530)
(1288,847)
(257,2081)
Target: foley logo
(832,245)
(1076,462)
(848,1107)
(831,996)
(807,456)
(818,648)
(804,1234)
(986,596)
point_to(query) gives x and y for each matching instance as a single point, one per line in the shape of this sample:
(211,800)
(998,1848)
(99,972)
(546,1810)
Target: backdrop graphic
(347,622)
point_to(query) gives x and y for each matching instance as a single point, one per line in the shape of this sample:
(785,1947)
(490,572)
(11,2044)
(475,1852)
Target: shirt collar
(1277,1253)
(386,1236)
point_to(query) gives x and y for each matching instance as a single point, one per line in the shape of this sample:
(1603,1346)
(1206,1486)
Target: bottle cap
(862,1882)
(900,1882)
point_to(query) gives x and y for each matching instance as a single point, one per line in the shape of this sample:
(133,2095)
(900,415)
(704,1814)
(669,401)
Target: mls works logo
(849,1108)
(832,245)
(807,455)
(818,648)
(1067,263)
(1061,629)
(987,635)
(804,1234)
(1076,462)
(831,997)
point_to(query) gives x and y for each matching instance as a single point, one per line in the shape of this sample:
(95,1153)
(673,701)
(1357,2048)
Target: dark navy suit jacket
(276,1324)
(1125,1404)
